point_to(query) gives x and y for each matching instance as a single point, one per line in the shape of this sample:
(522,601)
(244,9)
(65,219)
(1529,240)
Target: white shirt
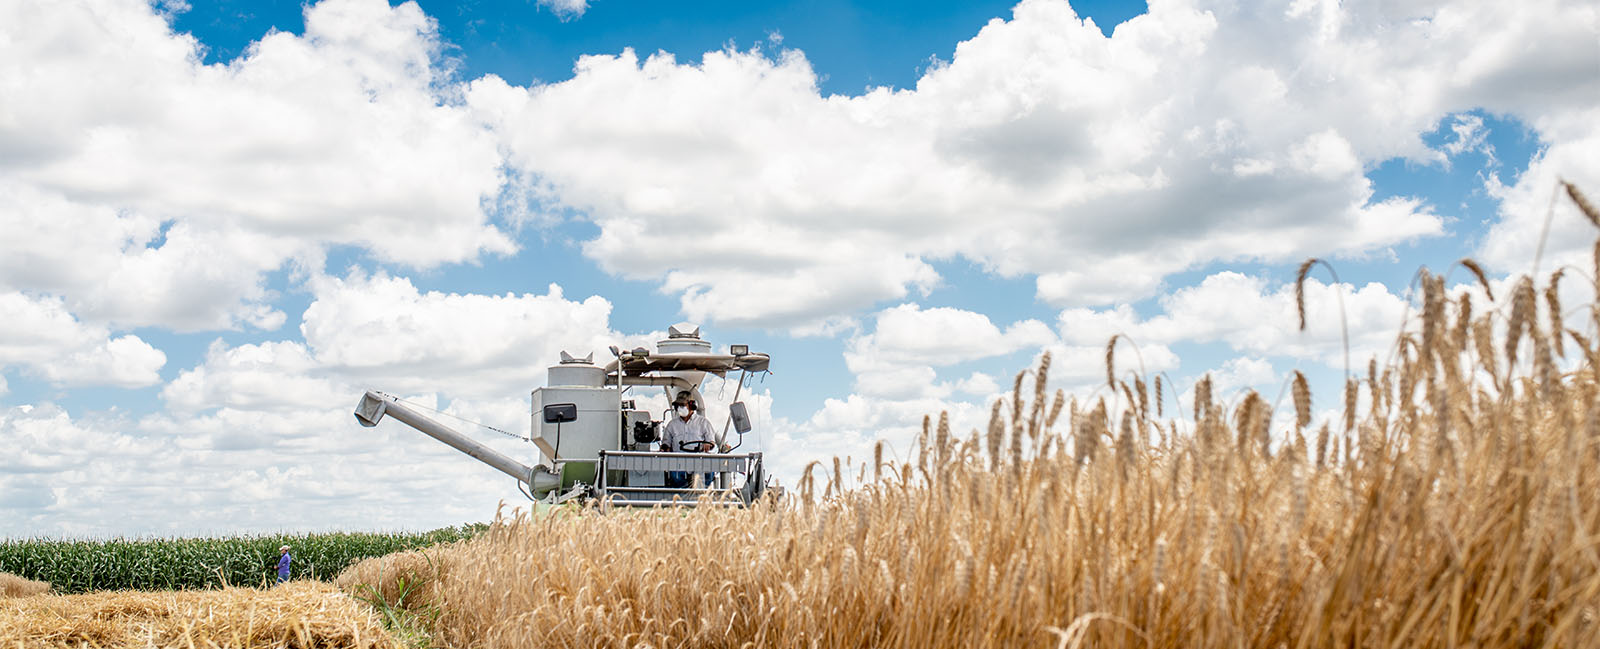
(677,431)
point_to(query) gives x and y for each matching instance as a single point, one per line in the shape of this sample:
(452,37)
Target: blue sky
(852,45)
(227,218)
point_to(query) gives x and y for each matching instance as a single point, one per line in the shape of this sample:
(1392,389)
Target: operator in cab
(686,431)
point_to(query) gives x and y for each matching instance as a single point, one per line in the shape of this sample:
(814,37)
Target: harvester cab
(594,443)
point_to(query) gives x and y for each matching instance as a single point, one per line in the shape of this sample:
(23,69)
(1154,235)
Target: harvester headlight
(738,350)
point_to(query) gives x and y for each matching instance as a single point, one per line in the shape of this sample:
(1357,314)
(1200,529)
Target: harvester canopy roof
(718,364)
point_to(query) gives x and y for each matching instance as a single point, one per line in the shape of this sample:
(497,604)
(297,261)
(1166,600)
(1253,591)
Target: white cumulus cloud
(1199,132)
(1251,316)
(383,329)
(566,9)
(897,359)
(39,336)
(157,190)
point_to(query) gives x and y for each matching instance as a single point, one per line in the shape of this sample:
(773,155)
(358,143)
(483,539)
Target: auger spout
(374,406)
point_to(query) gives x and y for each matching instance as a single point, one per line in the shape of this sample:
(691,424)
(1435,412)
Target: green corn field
(81,566)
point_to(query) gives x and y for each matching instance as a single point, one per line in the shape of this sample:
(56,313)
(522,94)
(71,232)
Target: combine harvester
(594,444)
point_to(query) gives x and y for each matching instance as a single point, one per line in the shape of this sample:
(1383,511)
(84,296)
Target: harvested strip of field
(401,578)
(14,586)
(299,614)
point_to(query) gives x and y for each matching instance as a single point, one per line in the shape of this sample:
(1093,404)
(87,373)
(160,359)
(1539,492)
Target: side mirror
(741,419)
(559,413)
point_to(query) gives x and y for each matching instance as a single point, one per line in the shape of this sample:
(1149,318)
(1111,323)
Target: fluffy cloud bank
(260,436)
(1196,133)
(380,332)
(41,337)
(898,358)
(127,165)
(234,471)
(1254,318)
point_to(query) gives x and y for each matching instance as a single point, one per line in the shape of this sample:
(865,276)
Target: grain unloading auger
(595,444)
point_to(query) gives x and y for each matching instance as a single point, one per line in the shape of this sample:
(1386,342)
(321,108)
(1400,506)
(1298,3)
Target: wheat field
(1454,502)
(15,586)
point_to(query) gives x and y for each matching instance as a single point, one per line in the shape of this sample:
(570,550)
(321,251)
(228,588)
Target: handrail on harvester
(719,493)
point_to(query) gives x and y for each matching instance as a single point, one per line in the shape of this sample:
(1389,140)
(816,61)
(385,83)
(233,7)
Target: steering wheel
(696,446)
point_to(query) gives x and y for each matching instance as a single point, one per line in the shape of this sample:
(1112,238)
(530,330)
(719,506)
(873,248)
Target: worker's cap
(683,399)
(282,548)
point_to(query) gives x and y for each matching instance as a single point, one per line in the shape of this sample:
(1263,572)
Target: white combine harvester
(594,444)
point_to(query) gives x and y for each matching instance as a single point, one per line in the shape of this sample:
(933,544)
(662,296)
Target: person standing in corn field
(283,563)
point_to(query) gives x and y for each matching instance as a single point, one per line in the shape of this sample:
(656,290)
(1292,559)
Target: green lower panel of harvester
(575,472)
